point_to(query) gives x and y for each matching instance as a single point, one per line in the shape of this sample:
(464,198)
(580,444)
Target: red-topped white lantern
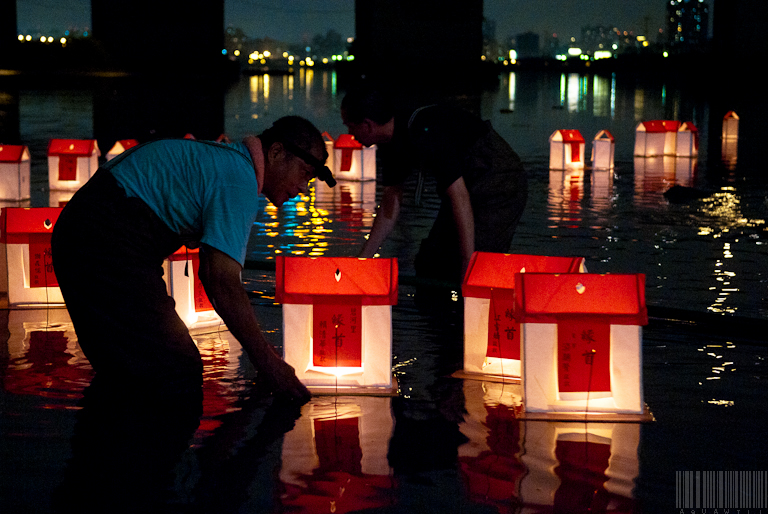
(337,321)
(603,149)
(687,144)
(182,276)
(581,342)
(352,160)
(71,162)
(566,150)
(14,172)
(121,146)
(656,137)
(491,330)
(329,142)
(26,271)
(731,126)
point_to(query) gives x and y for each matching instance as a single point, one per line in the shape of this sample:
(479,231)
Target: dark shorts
(498,190)
(108,253)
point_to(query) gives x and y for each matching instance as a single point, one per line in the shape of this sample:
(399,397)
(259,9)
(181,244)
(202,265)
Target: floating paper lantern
(182,276)
(337,321)
(352,160)
(491,330)
(603,149)
(71,162)
(730,126)
(329,142)
(656,137)
(121,146)
(336,455)
(730,139)
(581,342)
(687,144)
(566,150)
(14,172)
(26,271)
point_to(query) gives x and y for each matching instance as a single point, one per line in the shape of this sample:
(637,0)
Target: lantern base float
(342,390)
(501,379)
(592,417)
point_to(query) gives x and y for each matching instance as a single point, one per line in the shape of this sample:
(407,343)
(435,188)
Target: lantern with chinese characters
(182,276)
(352,160)
(14,172)
(337,321)
(687,140)
(581,342)
(71,162)
(603,148)
(26,271)
(656,137)
(121,146)
(566,150)
(491,331)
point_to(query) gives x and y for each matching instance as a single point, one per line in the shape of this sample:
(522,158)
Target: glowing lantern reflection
(335,458)
(182,276)
(14,172)
(580,467)
(566,150)
(581,342)
(352,160)
(121,146)
(71,162)
(603,149)
(657,137)
(26,271)
(337,321)
(491,330)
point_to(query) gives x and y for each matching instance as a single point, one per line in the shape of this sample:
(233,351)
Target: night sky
(299,20)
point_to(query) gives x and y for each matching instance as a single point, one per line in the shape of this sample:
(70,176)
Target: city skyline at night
(297,21)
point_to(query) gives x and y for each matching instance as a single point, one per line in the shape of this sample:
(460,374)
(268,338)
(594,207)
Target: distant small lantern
(566,150)
(603,149)
(121,146)
(491,330)
(730,126)
(337,321)
(14,172)
(182,277)
(26,270)
(581,343)
(329,142)
(687,144)
(656,138)
(352,160)
(71,162)
(730,140)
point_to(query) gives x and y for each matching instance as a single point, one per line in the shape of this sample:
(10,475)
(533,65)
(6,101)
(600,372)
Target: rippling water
(442,444)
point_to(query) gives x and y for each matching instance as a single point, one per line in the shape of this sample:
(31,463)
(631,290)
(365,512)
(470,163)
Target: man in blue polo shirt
(111,239)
